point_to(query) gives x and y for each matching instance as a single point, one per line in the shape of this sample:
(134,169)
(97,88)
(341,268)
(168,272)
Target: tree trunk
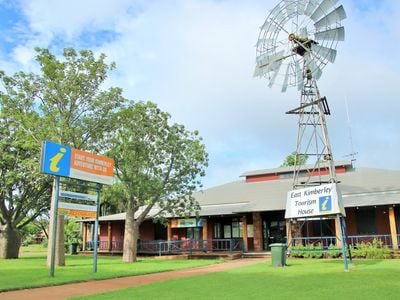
(131,236)
(10,242)
(60,248)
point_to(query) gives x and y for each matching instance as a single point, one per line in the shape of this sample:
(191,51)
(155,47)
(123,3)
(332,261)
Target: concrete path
(100,286)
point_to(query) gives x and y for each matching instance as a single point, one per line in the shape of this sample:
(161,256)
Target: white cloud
(196,58)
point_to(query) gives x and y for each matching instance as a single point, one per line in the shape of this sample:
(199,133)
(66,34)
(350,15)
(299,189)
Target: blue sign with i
(56,159)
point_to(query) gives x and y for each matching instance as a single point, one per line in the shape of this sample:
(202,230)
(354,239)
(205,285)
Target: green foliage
(157,164)
(63,103)
(307,251)
(371,250)
(72,232)
(333,251)
(294,159)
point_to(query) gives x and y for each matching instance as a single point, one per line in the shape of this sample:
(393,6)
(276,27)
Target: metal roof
(359,187)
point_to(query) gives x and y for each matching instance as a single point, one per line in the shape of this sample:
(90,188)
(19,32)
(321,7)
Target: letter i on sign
(56,159)
(325,204)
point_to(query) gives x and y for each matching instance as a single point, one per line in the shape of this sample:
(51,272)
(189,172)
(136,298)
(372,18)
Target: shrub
(372,250)
(307,251)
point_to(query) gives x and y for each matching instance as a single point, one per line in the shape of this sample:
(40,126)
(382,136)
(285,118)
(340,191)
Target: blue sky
(195,59)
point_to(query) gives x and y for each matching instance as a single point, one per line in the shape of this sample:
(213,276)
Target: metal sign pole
(342,238)
(54,229)
(96,226)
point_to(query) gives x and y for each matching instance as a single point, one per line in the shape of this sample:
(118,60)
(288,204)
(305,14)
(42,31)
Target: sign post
(60,160)
(96,228)
(317,201)
(54,229)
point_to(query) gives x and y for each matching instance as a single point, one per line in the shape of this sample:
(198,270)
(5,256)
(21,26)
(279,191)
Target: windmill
(297,40)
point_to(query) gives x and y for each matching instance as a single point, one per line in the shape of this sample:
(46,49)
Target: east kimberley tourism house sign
(314,201)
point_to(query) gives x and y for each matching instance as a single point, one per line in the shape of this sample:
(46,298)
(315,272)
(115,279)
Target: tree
(69,106)
(158,166)
(24,194)
(294,159)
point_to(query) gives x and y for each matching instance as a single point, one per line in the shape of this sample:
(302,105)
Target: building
(248,214)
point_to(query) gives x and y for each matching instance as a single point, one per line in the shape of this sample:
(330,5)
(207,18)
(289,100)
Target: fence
(326,241)
(163,247)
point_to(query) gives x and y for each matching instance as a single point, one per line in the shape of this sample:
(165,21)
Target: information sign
(314,201)
(65,161)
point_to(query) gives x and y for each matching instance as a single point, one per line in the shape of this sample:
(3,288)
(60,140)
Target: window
(227,232)
(193,233)
(366,221)
(217,231)
(237,230)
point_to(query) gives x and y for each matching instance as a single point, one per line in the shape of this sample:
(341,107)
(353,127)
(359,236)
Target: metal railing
(162,247)
(326,241)
(386,239)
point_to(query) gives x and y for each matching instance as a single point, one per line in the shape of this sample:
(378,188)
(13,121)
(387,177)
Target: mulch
(100,286)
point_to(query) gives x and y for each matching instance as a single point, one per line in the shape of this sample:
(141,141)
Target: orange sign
(89,166)
(76,213)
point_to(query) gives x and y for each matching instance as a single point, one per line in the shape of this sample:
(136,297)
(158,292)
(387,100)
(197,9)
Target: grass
(31,271)
(302,279)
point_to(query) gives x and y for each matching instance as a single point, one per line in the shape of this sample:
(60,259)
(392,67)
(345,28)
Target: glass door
(273,232)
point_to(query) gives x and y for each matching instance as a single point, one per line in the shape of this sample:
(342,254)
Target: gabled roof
(359,187)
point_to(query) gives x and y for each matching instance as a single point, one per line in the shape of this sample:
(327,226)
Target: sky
(195,59)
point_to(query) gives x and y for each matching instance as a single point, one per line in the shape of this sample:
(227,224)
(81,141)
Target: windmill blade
(266,60)
(290,6)
(311,6)
(324,52)
(269,27)
(312,65)
(335,16)
(285,80)
(299,76)
(301,6)
(335,34)
(266,43)
(272,79)
(277,14)
(303,32)
(323,9)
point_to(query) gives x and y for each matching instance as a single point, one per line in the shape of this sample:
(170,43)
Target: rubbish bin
(73,248)
(278,252)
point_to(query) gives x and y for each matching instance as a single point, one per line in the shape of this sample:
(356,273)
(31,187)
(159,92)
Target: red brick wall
(117,230)
(382,220)
(351,221)
(257,228)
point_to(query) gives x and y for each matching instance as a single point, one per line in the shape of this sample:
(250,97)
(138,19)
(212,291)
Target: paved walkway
(101,286)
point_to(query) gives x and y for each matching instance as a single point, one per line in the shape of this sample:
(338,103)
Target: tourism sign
(65,161)
(314,201)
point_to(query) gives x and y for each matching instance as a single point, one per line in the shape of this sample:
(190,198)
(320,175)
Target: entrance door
(273,232)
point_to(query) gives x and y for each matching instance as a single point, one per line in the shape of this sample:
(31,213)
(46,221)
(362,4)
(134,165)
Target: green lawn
(302,279)
(31,271)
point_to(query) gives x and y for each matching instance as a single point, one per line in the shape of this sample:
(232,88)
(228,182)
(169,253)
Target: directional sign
(65,161)
(78,196)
